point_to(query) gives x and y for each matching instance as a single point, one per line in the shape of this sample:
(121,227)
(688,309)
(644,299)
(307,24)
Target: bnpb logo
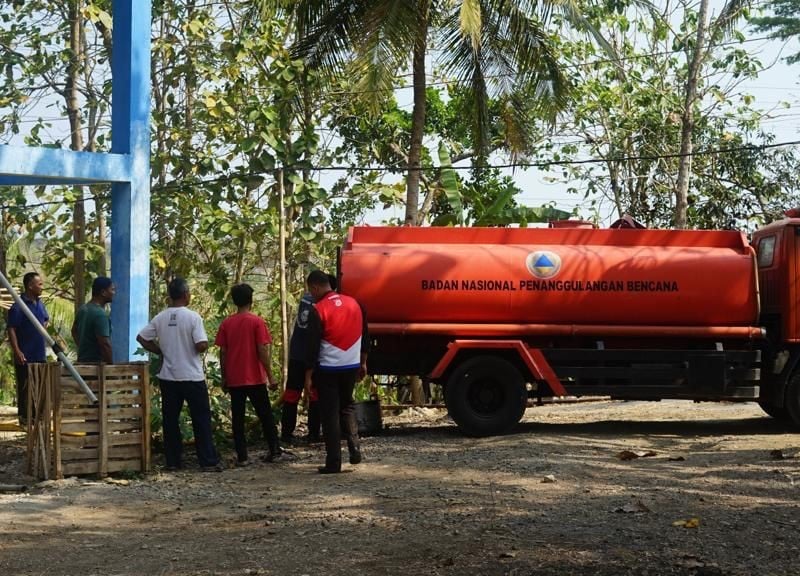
(543,263)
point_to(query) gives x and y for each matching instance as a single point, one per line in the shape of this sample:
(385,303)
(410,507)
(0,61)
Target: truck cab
(777,248)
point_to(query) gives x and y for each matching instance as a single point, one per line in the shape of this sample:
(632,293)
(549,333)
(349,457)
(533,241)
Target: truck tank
(539,276)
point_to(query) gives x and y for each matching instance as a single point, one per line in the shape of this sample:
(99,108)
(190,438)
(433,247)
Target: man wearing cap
(91,330)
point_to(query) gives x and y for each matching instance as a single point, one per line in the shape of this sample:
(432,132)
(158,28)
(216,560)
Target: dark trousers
(289,420)
(195,394)
(295,381)
(259,398)
(337,412)
(21,372)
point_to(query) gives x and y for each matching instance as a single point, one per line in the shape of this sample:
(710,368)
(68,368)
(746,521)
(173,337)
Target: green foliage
(492,50)
(784,22)
(628,115)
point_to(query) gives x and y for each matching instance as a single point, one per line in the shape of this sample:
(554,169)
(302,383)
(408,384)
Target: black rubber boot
(313,422)
(288,421)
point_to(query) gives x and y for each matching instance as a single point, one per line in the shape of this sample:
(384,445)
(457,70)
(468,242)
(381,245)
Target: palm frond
(470,25)
(731,13)
(330,36)
(369,38)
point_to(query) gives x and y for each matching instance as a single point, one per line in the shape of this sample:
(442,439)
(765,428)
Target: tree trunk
(160,89)
(417,130)
(414,159)
(687,121)
(282,268)
(71,95)
(102,235)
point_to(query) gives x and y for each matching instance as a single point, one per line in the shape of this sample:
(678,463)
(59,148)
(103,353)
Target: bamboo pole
(59,352)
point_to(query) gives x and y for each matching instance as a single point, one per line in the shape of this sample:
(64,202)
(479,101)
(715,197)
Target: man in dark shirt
(336,357)
(26,341)
(91,330)
(295,379)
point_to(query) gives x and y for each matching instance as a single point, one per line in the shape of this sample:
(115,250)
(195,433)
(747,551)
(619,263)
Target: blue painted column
(130,201)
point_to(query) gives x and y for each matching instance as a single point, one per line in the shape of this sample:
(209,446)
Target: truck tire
(781,413)
(486,395)
(792,403)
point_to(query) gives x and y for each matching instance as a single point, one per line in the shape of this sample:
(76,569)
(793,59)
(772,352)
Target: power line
(546,164)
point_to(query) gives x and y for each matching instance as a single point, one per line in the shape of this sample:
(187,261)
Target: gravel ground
(601,488)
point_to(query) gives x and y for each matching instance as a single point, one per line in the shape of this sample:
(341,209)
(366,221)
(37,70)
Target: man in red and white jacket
(338,342)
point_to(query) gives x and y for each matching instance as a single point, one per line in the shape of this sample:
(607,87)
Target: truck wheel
(781,414)
(486,395)
(792,402)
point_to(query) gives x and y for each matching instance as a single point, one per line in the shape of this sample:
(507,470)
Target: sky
(778,84)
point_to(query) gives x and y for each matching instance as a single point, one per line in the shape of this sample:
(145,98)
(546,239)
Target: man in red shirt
(244,342)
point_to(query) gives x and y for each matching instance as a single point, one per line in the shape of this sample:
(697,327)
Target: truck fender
(538,367)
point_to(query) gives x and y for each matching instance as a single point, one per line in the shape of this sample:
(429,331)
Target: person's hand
(362,370)
(20,357)
(271,384)
(224,385)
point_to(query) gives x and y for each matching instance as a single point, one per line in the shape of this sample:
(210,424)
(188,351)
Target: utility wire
(243,176)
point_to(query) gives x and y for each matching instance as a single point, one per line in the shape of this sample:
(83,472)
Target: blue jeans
(173,394)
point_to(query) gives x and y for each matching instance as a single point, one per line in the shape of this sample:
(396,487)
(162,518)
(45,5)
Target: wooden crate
(71,436)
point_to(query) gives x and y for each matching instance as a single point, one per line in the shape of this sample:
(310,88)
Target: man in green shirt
(91,330)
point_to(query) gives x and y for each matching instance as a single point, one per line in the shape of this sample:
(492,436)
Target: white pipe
(50,342)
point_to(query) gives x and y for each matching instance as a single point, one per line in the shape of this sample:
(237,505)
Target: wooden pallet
(72,436)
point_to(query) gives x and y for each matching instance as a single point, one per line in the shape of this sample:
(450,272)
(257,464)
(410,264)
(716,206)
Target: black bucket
(368,416)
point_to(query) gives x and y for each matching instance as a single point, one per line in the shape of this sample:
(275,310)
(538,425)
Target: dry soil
(602,488)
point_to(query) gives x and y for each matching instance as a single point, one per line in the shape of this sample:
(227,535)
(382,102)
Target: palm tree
(497,48)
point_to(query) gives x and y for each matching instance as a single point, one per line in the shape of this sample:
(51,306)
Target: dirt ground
(707,489)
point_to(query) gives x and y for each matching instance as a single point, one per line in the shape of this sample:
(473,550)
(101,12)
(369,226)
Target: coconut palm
(497,48)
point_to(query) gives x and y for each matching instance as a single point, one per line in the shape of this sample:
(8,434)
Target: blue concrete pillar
(130,201)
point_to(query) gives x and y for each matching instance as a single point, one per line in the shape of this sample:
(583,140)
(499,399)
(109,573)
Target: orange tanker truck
(502,315)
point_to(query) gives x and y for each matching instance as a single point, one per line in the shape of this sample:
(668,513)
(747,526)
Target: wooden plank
(134,421)
(102,423)
(123,413)
(123,386)
(54,384)
(72,386)
(132,465)
(125,370)
(69,455)
(82,426)
(80,413)
(146,462)
(71,398)
(122,399)
(29,454)
(77,420)
(124,453)
(77,468)
(123,426)
(47,457)
(87,370)
(132,380)
(78,441)
(130,438)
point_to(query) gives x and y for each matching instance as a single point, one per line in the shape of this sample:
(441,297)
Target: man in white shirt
(178,336)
